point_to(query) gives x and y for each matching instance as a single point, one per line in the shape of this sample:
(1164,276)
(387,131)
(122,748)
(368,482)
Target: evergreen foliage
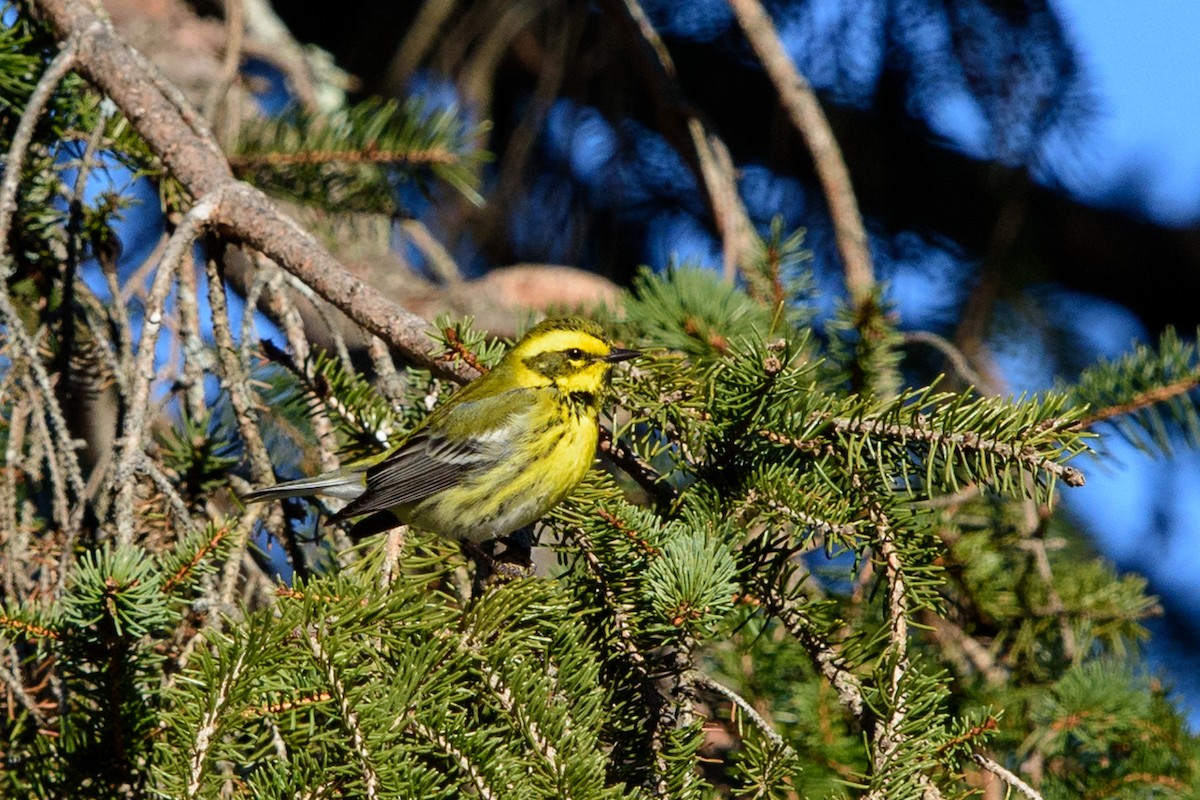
(341,160)
(836,587)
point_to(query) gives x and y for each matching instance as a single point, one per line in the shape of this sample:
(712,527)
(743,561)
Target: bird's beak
(618,354)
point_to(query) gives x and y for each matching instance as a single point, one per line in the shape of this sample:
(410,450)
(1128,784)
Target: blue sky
(1144,59)
(1144,511)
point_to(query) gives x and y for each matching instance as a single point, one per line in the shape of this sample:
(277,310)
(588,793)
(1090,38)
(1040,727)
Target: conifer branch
(27,628)
(504,696)
(888,734)
(201,553)
(415,157)
(349,717)
(457,756)
(967,441)
(211,720)
(1142,400)
(623,628)
(921,431)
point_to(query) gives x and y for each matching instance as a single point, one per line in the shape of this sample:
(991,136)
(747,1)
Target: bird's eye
(575,354)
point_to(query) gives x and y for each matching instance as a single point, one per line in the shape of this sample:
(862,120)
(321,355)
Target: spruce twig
(349,718)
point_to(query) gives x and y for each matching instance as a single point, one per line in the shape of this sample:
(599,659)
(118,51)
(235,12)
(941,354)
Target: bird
(494,458)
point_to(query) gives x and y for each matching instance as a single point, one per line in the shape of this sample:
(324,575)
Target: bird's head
(570,353)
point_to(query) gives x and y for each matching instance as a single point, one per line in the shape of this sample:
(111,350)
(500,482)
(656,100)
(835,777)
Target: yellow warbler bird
(496,456)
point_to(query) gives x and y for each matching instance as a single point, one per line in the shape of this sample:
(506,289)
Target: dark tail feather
(378,522)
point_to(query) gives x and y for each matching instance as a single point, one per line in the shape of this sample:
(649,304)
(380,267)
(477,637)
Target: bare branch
(1007,776)
(14,163)
(63,456)
(712,162)
(178,250)
(955,356)
(698,678)
(802,106)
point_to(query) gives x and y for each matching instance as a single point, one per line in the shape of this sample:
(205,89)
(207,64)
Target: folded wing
(429,463)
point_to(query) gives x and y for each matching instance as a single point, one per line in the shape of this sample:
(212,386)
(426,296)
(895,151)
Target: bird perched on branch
(496,456)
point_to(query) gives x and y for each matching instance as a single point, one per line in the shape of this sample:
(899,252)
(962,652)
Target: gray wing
(428,463)
(425,465)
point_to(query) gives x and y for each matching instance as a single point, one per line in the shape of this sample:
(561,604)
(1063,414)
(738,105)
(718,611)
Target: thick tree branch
(245,214)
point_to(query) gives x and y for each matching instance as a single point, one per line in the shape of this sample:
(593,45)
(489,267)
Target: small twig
(436,254)
(1144,399)
(697,678)
(636,468)
(973,654)
(322,310)
(178,251)
(802,106)
(631,534)
(49,450)
(842,530)
(194,352)
(164,485)
(14,538)
(218,93)
(713,164)
(1007,776)
(66,461)
(235,380)
(955,356)
(393,545)
(419,37)
(825,656)
(17,689)
(1036,544)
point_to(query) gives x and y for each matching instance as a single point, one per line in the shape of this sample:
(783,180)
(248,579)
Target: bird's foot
(512,564)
